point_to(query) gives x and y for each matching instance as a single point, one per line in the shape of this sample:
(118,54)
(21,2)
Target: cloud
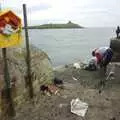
(84,12)
(40,7)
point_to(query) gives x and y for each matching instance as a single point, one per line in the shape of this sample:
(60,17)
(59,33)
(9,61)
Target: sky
(87,13)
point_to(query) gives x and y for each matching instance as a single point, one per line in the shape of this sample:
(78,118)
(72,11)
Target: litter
(76,65)
(78,107)
(74,78)
(49,89)
(110,76)
(53,89)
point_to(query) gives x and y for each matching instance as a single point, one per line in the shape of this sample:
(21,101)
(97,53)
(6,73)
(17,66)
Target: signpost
(10,35)
(10,27)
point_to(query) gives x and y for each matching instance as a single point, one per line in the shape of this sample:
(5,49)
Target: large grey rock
(42,71)
(115,45)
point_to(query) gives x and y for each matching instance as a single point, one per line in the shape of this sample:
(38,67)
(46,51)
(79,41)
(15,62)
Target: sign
(10,29)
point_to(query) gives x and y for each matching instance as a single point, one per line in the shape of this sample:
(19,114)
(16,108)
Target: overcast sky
(88,13)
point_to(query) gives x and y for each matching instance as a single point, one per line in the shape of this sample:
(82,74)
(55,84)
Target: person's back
(99,53)
(102,50)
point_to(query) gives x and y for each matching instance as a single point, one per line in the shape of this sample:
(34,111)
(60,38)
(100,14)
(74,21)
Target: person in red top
(103,55)
(98,55)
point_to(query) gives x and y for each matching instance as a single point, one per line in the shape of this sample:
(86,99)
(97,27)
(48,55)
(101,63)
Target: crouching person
(104,56)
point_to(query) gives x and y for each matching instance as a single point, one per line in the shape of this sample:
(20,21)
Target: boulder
(41,69)
(115,45)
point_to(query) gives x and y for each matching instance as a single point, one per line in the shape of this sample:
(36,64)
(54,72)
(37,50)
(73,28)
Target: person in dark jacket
(118,31)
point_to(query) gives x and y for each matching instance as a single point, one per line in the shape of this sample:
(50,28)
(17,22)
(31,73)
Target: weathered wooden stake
(28,60)
(10,108)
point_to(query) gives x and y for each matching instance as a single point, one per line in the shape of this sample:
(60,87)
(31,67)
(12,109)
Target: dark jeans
(107,58)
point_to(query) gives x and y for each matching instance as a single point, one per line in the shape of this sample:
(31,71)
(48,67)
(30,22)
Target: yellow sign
(10,29)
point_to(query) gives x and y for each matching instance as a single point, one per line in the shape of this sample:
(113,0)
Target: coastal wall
(115,45)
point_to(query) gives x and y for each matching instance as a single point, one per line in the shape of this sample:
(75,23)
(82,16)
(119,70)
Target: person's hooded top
(99,53)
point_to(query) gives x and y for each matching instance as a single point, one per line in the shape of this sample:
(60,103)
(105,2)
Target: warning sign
(10,29)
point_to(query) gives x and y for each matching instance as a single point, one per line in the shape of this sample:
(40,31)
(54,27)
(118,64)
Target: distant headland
(68,25)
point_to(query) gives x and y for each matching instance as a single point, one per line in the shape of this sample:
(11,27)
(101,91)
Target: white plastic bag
(78,107)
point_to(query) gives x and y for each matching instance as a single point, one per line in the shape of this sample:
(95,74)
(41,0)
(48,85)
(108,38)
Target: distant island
(68,25)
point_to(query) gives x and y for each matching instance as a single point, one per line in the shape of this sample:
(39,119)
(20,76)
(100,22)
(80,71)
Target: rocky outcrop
(115,45)
(68,25)
(42,72)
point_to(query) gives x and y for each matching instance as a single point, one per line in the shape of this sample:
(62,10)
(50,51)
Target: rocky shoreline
(77,83)
(93,87)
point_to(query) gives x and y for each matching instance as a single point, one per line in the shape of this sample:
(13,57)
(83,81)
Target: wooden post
(7,90)
(28,60)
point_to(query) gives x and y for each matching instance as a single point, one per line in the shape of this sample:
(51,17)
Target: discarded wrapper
(78,107)
(74,78)
(76,65)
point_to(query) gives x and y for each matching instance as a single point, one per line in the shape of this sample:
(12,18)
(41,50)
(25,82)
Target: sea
(65,46)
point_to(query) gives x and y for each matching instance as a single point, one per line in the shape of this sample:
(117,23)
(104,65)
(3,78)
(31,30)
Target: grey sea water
(65,46)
